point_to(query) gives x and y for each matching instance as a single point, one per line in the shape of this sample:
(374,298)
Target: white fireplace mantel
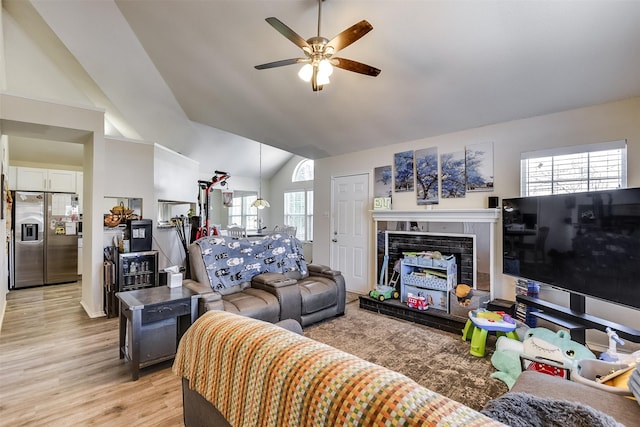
(464,216)
(438,215)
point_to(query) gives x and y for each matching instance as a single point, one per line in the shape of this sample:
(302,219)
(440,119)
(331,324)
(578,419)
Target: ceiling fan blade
(281,63)
(355,66)
(350,35)
(288,32)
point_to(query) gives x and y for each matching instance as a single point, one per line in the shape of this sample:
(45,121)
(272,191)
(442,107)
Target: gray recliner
(272,297)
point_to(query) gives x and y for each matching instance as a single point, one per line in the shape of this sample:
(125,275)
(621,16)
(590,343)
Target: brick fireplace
(460,246)
(467,234)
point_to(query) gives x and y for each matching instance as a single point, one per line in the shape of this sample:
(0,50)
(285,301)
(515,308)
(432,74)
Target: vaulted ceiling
(182,73)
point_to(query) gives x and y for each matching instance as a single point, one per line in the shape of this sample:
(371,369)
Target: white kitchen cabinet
(62,181)
(37,179)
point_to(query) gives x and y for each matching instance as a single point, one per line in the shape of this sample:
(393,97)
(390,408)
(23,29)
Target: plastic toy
(611,355)
(383,292)
(539,343)
(417,301)
(464,294)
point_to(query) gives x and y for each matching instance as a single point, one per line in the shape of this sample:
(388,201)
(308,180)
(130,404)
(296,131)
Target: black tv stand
(575,319)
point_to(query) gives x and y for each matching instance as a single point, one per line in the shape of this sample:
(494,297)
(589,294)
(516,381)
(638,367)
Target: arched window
(303,172)
(298,203)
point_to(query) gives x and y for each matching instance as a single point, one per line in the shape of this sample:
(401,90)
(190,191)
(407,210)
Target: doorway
(350,230)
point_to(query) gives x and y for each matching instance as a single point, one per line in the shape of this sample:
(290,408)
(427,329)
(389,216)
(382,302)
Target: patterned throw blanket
(258,374)
(231,261)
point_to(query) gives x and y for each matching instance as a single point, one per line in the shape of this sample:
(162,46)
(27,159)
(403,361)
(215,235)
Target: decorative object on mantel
(260,203)
(426,161)
(453,175)
(382,203)
(479,166)
(403,163)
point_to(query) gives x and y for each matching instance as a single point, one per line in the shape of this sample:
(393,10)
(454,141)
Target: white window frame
(303,233)
(594,180)
(304,166)
(248,216)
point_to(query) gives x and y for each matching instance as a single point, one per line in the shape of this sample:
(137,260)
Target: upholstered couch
(264,278)
(243,372)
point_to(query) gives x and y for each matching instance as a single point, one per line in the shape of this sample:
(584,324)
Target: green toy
(383,292)
(541,343)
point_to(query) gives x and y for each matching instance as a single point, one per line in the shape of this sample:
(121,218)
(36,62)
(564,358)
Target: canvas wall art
(453,175)
(382,187)
(479,167)
(403,163)
(427,176)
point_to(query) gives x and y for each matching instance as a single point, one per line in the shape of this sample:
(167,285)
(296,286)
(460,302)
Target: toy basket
(425,282)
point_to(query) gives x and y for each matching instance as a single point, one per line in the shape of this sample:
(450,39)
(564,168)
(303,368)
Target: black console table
(157,318)
(575,319)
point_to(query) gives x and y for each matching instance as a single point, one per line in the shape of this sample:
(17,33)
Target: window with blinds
(242,213)
(574,169)
(298,212)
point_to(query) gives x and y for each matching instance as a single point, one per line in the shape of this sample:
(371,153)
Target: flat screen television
(585,243)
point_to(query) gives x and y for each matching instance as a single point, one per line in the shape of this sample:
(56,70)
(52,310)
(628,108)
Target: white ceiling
(181,72)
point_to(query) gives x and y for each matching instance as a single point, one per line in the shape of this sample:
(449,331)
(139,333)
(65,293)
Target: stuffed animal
(464,294)
(538,342)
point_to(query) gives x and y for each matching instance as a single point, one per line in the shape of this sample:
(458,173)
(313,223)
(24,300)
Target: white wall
(129,166)
(599,123)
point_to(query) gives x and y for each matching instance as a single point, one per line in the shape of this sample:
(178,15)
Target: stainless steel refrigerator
(45,239)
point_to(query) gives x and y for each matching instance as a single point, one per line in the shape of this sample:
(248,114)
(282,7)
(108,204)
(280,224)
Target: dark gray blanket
(527,410)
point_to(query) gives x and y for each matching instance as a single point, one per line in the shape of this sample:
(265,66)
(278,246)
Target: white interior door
(350,231)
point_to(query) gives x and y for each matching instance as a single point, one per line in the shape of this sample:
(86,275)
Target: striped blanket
(258,374)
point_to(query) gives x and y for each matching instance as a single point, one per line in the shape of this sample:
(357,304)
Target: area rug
(352,297)
(435,359)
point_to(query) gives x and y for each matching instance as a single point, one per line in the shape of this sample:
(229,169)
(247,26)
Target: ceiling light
(322,79)
(306,72)
(325,67)
(319,52)
(260,203)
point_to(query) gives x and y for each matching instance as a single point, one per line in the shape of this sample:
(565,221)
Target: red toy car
(416,301)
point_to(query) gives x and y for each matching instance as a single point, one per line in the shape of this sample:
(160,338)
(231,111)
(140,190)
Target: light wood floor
(58,367)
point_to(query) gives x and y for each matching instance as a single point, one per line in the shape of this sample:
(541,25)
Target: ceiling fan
(319,60)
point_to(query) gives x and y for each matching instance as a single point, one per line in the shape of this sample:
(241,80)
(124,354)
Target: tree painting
(427,176)
(403,163)
(383,181)
(479,165)
(453,176)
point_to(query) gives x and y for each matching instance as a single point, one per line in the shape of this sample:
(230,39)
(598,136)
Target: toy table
(481,322)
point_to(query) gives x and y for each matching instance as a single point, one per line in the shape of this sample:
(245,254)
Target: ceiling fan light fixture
(319,60)
(322,79)
(325,68)
(306,72)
